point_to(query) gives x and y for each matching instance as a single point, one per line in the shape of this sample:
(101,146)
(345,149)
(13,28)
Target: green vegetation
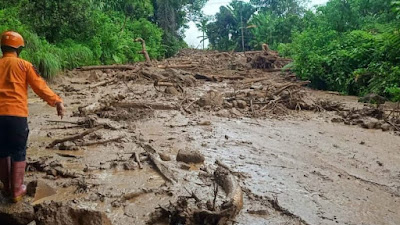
(71,33)
(351,46)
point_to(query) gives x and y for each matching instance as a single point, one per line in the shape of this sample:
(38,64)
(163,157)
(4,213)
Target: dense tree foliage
(171,16)
(231,27)
(349,46)
(71,33)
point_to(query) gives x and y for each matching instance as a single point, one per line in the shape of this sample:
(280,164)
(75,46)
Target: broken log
(132,195)
(74,137)
(144,51)
(165,172)
(59,121)
(145,105)
(162,169)
(393,125)
(103,83)
(164,84)
(204,77)
(254,80)
(234,192)
(291,85)
(215,78)
(223,165)
(102,142)
(182,66)
(110,67)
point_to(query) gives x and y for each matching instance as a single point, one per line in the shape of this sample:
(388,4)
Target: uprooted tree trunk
(144,50)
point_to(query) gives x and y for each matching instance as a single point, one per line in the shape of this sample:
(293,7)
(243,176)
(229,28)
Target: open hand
(60,109)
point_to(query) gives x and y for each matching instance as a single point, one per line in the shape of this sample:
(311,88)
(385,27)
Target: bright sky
(211,8)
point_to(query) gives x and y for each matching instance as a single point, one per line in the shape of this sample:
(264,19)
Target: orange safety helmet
(12,39)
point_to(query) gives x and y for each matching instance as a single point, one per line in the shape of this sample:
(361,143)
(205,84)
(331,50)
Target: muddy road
(298,156)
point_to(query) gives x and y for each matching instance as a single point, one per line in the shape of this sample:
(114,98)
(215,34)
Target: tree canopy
(70,33)
(346,45)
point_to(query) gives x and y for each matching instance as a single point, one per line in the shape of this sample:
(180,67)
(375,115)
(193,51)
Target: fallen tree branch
(160,166)
(234,192)
(164,84)
(215,78)
(254,80)
(182,66)
(74,137)
(59,121)
(102,142)
(132,195)
(223,165)
(144,51)
(291,85)
(145,105)
(392,124)
(103,83)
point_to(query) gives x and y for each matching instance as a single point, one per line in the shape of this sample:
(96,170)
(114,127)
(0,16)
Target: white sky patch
(212,7)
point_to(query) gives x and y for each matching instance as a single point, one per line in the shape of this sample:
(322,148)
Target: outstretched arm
(40,87)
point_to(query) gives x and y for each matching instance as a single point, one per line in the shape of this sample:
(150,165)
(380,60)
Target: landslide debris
(104,135)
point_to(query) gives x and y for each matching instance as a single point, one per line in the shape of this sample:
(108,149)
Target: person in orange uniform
(15,76)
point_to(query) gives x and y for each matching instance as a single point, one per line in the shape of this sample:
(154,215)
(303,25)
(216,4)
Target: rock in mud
(63,214)
(241,104)
(212,98)
(236,112)
(16,214)
(190,156)
(386,127)
(67,146)
(227,105)
(370,123)
(337,120)
(204,123)
(171,91)
(130,165)
(165,157)
(223,113)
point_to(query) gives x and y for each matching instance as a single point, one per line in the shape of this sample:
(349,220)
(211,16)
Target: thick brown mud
(299,156)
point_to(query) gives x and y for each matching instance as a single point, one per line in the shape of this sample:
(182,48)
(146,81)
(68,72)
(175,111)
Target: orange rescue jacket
(15,75)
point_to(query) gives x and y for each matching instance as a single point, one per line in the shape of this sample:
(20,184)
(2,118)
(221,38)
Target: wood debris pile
(266,59)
